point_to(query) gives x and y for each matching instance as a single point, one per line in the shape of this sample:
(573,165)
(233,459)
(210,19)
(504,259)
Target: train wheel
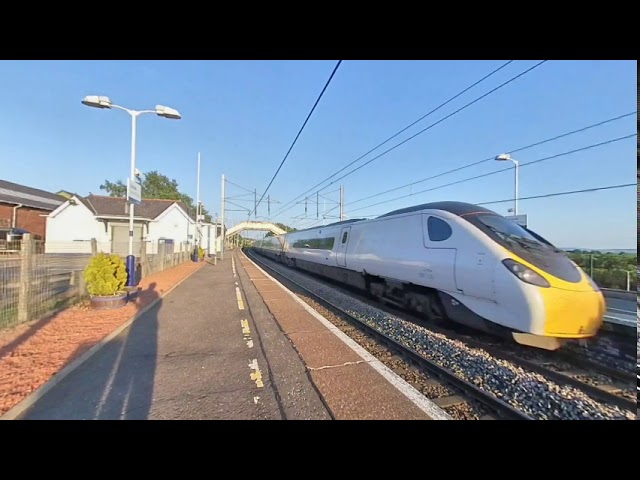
(376,290)
(427,304)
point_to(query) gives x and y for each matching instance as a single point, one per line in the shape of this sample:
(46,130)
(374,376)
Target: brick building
(26,207)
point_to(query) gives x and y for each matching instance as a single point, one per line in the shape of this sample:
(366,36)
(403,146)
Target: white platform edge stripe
(430,408)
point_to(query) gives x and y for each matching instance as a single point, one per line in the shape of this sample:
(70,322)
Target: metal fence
(38,279)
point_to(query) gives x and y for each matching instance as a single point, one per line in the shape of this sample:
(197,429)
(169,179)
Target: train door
(341,251)
(439,257)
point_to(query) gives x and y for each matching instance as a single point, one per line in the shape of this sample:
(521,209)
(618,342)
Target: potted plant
(106,276)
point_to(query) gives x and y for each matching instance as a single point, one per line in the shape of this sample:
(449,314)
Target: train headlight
(525,273)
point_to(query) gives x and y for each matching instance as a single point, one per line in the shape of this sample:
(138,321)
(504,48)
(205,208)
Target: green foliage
(117,189)
(245,242)
(200,252)
(608,270)
(155,185)
(106,275)
(284,227)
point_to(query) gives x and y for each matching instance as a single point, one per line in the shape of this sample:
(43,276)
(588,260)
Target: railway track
(442,386)
(605,385)
(594,380)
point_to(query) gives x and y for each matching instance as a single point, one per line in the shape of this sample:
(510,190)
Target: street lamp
(98,101)
(505,157)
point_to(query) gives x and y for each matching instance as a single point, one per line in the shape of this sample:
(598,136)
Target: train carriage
(459,262)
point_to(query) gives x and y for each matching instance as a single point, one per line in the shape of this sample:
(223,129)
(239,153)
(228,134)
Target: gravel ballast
(529,392)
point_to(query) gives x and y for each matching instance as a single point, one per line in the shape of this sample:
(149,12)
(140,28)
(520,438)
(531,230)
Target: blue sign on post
(134,192)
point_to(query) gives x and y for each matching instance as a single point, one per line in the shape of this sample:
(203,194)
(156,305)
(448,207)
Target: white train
(458,262)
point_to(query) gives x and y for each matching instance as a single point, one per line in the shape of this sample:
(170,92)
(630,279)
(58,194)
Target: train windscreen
(527,245)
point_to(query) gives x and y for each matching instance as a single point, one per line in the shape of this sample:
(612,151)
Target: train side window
(439,230)
(344,237)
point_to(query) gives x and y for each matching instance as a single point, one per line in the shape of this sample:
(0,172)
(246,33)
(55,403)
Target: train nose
(572,314)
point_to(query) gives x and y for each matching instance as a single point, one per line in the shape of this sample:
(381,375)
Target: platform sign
(134,192)
(519,219)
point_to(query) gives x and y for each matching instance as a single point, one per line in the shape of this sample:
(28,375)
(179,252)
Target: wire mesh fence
(38,278)
(9,248)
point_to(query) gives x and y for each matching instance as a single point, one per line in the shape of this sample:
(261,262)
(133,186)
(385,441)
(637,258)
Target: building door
(120,239)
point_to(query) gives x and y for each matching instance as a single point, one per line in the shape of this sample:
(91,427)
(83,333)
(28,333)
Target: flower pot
(110,302)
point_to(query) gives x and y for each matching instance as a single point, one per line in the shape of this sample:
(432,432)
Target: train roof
(335,224)
(457,208)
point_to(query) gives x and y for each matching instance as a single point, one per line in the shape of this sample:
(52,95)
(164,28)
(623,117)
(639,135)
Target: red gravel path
(30,354)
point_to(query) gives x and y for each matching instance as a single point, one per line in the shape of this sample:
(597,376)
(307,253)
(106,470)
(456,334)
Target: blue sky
(243,115)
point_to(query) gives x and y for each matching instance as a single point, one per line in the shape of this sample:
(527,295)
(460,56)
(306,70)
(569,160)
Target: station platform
(231,343)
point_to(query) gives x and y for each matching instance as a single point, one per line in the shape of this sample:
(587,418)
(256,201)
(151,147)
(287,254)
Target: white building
(72,225)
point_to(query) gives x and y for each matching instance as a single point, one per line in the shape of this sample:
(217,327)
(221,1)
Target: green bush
(608,270)
(201,252)
(106,275)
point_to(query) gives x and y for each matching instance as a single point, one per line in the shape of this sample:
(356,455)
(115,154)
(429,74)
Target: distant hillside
(612,250)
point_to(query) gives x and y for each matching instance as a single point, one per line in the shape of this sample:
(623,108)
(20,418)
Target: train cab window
(438,229)
(509,232)
(538,237)
(344,237)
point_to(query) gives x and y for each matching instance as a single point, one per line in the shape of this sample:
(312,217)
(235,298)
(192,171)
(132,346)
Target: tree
(609,269)
(155,185)
(284,227)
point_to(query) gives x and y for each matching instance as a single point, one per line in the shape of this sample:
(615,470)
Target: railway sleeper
(449,401)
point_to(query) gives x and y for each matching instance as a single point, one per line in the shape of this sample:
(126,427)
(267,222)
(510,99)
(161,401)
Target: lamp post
(505,157)
(133,197)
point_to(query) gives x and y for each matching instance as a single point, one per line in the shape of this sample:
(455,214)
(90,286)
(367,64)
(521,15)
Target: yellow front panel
(572,314)
(572,310)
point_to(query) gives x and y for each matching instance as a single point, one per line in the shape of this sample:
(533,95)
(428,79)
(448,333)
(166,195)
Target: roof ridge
(143,198)
(34,189)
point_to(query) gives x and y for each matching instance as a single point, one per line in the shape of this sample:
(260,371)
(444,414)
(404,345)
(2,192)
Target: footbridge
(248,225)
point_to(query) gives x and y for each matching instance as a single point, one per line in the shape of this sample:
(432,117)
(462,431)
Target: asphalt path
(194,355)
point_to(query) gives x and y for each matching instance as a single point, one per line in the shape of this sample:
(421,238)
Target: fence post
(94,247)
(82,285)
(161,255)
(26,276)
(144,261)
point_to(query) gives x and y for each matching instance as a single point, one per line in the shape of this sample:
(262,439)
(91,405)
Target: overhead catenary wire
(468,165)
(242,195)
(240,206)
(560,194)
(522,165)
(467,105)
(239,186)
(546,195)
(412,124)
(335,69)
(494,172)
(520,149)
(538,143)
